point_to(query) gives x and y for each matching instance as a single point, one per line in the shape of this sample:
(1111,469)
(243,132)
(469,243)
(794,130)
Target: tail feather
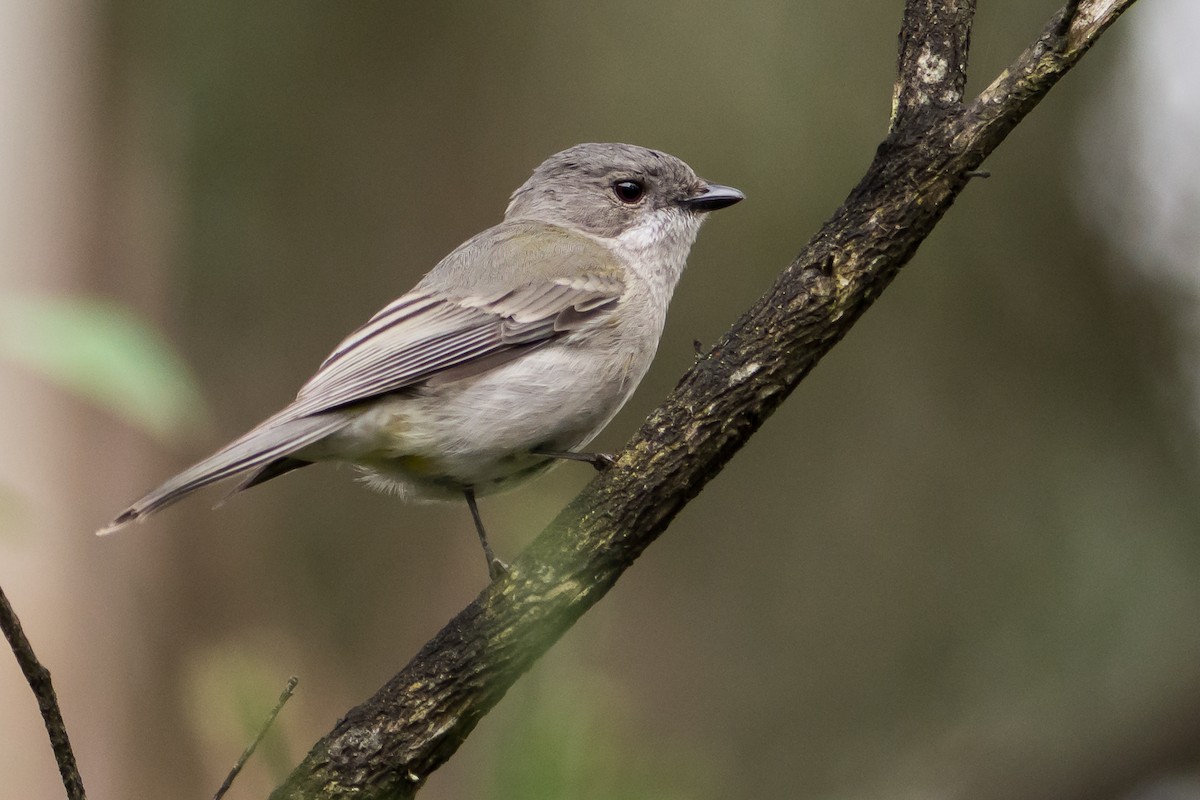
(273,469)
(274,440)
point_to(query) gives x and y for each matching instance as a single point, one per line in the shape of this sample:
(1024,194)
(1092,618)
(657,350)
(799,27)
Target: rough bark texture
(386,747)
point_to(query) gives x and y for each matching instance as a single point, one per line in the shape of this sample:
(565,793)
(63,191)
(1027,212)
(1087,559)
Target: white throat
(657,248)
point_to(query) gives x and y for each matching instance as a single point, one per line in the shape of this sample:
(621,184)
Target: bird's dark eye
(629,191)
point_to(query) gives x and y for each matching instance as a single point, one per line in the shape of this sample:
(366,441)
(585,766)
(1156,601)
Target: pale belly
(432,442)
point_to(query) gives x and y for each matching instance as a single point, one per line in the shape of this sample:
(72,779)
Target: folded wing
(421,335)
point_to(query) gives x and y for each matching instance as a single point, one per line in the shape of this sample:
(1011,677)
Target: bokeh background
(962,561)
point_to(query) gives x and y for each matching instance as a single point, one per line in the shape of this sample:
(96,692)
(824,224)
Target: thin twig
(284,696)
(39,681)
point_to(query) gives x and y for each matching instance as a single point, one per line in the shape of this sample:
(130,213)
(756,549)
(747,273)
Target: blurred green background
(961,562)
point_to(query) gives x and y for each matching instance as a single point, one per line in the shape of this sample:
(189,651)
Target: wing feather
(423,334)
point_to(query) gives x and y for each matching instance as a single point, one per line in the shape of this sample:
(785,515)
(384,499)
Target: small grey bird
(510,354)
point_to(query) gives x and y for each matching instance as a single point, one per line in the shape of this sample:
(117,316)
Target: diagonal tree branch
(387,746)
(39,682)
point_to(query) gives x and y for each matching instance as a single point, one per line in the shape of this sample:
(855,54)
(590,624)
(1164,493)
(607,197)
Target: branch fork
(937,141)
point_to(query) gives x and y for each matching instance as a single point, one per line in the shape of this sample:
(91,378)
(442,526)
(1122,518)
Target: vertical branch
(39,681)
(931,74)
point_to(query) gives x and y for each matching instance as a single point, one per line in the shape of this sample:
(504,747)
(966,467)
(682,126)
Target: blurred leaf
(102,353)
(571,735)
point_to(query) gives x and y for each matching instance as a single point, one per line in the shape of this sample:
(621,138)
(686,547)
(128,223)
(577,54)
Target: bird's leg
(496,567)
(601,461)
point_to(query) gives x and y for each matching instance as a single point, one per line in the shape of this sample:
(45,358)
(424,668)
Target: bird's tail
(275,439)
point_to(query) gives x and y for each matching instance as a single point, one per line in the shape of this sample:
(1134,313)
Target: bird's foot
(600,461)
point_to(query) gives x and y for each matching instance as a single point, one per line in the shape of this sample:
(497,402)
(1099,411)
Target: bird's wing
(426,333)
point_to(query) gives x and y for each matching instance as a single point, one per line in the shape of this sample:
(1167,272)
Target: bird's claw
(602,461)
(497,569)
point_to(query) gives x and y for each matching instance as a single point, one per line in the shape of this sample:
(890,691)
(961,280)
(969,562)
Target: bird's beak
(713,197)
